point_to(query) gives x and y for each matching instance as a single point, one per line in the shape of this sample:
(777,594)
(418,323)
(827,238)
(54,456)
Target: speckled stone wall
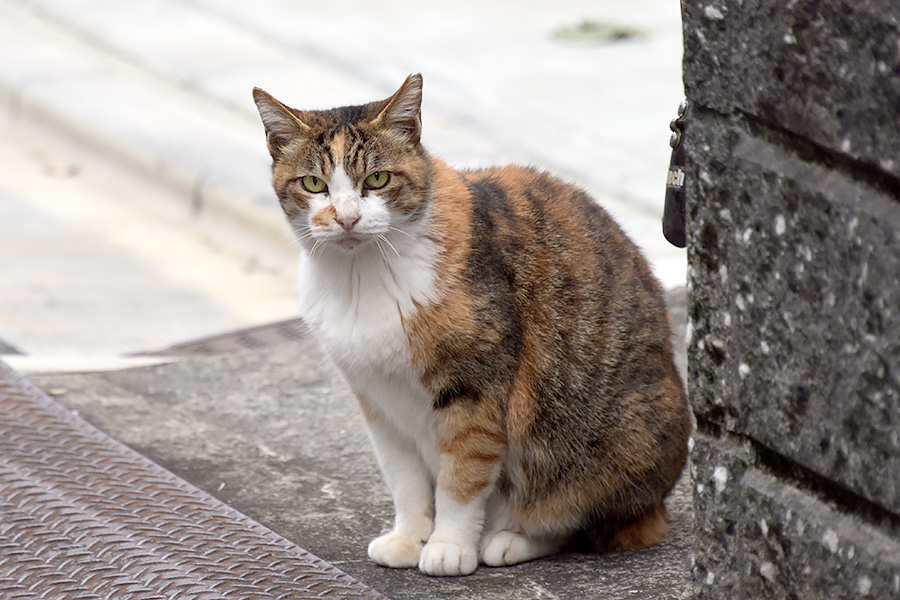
(793,147)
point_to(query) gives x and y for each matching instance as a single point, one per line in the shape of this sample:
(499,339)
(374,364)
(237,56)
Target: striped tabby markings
(452,309)
(472,446)
(522,403)
(338,148)
(634,453)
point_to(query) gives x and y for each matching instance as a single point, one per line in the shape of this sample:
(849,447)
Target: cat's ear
(281,124)
(404,109)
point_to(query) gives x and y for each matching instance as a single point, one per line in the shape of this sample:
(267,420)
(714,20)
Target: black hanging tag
(673,223)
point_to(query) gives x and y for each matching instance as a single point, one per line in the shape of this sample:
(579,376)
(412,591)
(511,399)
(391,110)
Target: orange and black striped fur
(508,345)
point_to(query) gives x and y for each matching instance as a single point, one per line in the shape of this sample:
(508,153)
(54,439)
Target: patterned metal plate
(83,517)
(261,336)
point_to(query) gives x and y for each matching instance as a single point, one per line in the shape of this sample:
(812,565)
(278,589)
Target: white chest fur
(355,302)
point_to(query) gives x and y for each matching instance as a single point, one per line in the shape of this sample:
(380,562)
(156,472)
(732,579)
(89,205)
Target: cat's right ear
(281,124)
(403,111)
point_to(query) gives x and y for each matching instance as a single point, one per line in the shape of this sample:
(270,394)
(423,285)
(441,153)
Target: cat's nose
(348,221)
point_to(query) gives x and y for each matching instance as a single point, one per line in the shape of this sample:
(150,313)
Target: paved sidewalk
(276,434)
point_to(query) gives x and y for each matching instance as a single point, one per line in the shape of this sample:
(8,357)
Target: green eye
(377,180)
(313,184)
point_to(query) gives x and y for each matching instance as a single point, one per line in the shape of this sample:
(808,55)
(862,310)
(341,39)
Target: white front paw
(504,548)
(447,558)
(395,550)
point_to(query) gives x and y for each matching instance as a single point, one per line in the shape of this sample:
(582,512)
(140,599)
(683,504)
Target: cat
(507,344)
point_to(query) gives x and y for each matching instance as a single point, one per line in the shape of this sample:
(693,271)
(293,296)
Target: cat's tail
(647,530)
(610,535)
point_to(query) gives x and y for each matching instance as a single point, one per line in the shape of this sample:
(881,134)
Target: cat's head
(348,175)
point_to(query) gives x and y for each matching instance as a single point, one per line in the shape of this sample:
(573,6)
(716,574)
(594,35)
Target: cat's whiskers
(383,238)
(381,249)
(406,233)
(317,244)
(300,236)
(304,238)
(303,235)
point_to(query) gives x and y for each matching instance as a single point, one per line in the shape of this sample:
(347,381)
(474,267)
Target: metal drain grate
(83,517)
(6,348)
(260,336)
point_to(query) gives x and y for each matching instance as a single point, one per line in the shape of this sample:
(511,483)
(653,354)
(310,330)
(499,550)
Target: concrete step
(95,266)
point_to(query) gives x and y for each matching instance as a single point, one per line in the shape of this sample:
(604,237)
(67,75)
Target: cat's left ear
(404,109)
(281,123)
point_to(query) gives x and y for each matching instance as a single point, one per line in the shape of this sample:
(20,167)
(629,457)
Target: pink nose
(348,221)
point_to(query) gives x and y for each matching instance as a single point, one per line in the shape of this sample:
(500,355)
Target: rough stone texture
(794,271)
(828,70)
(276,434)
(760,536)
(796,309)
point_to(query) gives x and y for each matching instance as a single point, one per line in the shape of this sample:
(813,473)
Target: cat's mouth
(350,241)
(346,240)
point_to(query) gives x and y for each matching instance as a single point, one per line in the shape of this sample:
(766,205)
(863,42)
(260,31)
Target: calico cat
(507,344)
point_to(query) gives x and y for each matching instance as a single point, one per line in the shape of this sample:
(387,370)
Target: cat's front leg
(472,448)
(412,490)
(453,547)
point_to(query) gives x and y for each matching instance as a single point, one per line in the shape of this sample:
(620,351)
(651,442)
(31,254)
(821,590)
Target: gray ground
(275,434)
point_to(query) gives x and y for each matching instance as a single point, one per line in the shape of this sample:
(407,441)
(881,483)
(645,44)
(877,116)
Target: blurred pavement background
(135,208)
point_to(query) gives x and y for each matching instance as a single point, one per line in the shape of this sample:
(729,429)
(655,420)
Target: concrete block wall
(793,150)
